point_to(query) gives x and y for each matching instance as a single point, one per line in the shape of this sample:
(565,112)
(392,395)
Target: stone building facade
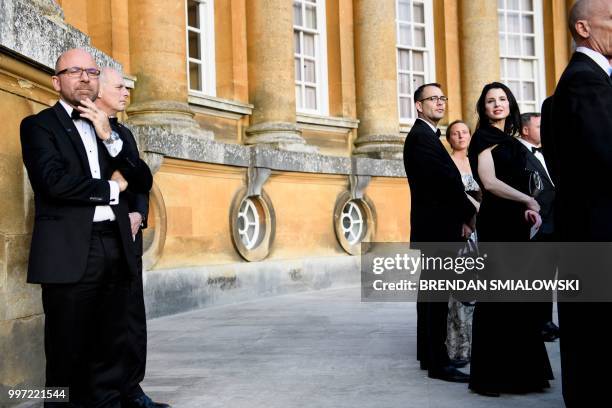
(274,129)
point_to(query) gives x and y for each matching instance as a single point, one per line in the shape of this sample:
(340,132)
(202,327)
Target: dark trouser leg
(85,327)
(437,313)
(136,356)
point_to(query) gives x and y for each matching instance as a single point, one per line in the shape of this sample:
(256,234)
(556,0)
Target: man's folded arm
(48,173)
(132,167)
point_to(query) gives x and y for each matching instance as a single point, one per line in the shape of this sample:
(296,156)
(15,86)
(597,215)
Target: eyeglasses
(76,72)
(436,99)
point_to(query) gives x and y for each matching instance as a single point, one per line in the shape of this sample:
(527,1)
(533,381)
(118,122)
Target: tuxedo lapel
(73,135)
(579,56)
(537,164)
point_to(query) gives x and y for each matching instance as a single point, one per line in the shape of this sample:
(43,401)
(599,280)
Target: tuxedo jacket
(137,202)
(439,205)
(65,195)
(546,197)
(580,145)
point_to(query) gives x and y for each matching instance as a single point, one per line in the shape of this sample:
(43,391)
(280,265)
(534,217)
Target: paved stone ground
(317,349)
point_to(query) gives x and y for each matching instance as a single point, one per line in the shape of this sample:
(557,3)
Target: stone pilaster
(158,59)
(479,42)
(271,75)
(376,80)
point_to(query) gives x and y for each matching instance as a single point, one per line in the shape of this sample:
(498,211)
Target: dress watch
(114,136)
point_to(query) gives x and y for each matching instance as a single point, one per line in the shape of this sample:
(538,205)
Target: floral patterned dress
(459,322)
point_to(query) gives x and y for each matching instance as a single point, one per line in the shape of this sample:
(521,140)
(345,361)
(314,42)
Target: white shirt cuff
(114,192)
(114,148)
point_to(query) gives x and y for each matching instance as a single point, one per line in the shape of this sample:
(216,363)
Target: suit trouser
(136,352)
(85,325)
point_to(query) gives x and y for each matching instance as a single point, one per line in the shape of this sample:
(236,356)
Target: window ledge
(219,104)
(327,121)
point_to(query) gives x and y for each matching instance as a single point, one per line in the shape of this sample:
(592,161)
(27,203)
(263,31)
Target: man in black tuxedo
(582,150)
(82,251)
(440,212)
(530,138)
(112,99)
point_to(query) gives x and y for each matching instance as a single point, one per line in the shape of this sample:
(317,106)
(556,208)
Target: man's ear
(583,28)
(56,83)
(419,107)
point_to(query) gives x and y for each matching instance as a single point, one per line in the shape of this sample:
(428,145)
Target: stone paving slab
(316,349)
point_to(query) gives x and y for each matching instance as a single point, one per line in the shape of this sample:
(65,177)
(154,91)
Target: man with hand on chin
(112,99)
(82,250)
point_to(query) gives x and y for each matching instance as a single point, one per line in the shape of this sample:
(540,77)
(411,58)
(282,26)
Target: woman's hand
(533,218)
(533,205)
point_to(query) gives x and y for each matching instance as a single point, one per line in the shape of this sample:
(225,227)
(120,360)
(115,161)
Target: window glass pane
(527,5)
(403,10)
(311,17)
(512,66)
(298,96)
(515,87)
(296,42)
(311,98)
(298,70)
(417,81)
(502,44)
(309,44)
(297,14)
(529,46)
(528,91)
(514,45)
(418,61)
(418,12)
(194,45)
(502,22)
(527,24)
(527,70)
(528,107)
(404,60)
(404,83)
(513,23)
(194,76)
(193,17)
(405,35)
(419,36)
(512,4)
(405,107)
(309,71)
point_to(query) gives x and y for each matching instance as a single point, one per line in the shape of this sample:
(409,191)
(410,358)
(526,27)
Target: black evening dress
(508,352)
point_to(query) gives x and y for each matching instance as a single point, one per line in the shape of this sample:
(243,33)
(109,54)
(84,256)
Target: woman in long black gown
(508,353)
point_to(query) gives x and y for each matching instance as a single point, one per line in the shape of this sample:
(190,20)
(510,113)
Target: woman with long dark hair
(508,352)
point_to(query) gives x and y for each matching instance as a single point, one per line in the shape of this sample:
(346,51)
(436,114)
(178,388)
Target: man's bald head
(589,23)
(75,87)
(113,94)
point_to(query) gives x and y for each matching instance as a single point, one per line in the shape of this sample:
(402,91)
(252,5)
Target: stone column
(271,75)
(158,59)
(376,80)
(49,8)
(479,47)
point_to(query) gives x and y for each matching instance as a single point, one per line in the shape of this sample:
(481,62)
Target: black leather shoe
(449,373)
(423,365)
(459,362)
(485,393)
(145,402)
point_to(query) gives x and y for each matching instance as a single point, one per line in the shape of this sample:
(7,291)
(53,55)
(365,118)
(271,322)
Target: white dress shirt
(598,58)
(88,137)
(538,156)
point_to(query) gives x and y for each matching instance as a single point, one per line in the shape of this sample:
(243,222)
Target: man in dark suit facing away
(581,147)
(82,250)
(112,99)
(530,138)
(440,212)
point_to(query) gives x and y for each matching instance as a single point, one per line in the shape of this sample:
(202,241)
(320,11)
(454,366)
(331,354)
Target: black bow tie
(438,133)
(113,121)
(534,149)
(76,115)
